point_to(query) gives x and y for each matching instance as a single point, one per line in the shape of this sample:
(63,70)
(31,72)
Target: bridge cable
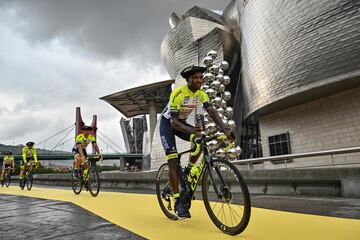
(63,138)
(109,145)
(111,141)
(108,142)
(71,126)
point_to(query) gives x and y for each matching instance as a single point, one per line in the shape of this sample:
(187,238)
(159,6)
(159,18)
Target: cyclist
(182,102)
(79,150)
(28,154)
(8,161)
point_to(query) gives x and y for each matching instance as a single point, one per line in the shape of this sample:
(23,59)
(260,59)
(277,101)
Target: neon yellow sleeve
(92,138)
(24,154)
(175,99)
(203,96)
(79,138)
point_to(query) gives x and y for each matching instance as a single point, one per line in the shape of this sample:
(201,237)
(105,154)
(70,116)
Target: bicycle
(90,180)
(28,177)
(222,187)
(7,177)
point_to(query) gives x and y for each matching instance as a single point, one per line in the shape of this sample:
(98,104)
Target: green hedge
(45,170)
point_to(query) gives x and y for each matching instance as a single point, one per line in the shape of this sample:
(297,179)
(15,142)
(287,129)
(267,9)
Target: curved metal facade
(281,53)
(289,47)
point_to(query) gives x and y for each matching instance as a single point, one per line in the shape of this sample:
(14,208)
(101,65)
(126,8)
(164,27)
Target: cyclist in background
(28,154)
(8,162)
(79,150)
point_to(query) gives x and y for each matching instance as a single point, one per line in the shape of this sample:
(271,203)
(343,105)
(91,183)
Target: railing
(71,157)
(331,153)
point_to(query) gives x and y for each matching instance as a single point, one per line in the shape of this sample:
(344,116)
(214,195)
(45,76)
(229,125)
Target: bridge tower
(79,123)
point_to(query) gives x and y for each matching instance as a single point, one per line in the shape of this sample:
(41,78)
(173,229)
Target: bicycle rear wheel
(94,182)
(76,183)
(23,182)
(7,179)
(230,209)
(164,192)
(29,181)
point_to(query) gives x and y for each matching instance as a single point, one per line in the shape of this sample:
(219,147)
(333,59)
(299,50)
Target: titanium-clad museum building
(295,70)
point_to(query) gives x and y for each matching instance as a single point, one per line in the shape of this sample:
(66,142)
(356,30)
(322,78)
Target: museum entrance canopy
(147,99)
(137,101)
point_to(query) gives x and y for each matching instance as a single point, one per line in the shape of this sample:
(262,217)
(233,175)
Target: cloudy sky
(57,55)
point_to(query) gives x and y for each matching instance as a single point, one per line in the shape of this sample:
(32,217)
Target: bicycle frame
(28,168)
(205,163)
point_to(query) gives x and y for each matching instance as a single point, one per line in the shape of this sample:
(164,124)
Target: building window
(279,144)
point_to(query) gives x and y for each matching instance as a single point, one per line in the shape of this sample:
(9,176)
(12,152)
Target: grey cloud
(43,87)
(110,28)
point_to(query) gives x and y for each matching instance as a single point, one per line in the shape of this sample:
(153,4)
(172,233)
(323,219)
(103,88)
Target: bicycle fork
(208,166)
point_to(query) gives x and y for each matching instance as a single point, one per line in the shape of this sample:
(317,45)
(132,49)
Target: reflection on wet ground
(33,218)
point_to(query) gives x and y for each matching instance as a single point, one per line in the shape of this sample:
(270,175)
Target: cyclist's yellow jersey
(28,153)
(8,158)
(84,141)
(183,101)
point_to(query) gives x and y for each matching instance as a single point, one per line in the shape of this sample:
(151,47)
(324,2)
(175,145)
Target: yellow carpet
(141,214)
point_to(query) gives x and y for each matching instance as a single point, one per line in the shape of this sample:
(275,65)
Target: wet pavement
(33,218)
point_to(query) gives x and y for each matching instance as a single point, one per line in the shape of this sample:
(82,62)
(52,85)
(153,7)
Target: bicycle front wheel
(29,181)
(7,180)
(94,182)
(230,208)
(76,183)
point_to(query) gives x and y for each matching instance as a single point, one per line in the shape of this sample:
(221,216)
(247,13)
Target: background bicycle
(7,177)
(28,176)
(90,179)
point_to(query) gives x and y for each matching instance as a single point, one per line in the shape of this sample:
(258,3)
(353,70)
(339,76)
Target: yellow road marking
(141,214)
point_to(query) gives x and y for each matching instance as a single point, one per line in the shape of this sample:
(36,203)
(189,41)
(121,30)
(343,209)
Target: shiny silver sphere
(225,121)
(218,134)
(217,102)
(231,154)
(220,78)
(224,65)
(208,61)
(215,85)
(211,128)
(205,87)
(221,72)
(206,121)
(212,54)
(220,153)
(227,95)
(227,80)
(208,77)
(231,124)
(211,92)
(222,89)
(221,110)
(229,112)
(223,103)
(238,151)
(214,69)
(212,145)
